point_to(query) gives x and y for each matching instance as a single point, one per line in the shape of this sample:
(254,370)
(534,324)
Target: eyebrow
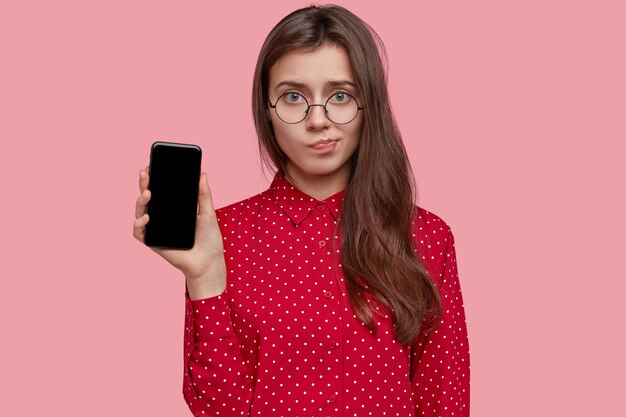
(332,83)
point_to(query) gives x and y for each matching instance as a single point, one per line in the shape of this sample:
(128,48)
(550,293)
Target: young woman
(331,293)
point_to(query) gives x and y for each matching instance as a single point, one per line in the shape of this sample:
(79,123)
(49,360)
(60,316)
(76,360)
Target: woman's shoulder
(432,237)
(428,223)
(234,211)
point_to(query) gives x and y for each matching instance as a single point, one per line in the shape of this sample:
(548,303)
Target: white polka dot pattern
(283,339)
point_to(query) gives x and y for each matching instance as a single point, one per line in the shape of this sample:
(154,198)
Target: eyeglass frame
(306,112)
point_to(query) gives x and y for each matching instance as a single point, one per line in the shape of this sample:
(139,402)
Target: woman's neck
(317,186)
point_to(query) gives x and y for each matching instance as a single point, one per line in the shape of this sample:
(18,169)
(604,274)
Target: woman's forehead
(326,66)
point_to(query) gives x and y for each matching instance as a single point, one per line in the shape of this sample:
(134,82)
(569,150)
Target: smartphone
(173,206)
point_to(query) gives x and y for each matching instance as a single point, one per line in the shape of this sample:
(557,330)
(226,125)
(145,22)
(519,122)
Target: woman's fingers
(141,218)
(142,201)
(205,200)
(144,178)
(139,227)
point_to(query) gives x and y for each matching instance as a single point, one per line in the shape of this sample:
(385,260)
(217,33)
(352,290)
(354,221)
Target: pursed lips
(322,142)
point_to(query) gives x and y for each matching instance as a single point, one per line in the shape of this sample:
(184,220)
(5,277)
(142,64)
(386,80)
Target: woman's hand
(203,265)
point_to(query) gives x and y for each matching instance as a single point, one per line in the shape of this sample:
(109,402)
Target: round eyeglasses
(340,108)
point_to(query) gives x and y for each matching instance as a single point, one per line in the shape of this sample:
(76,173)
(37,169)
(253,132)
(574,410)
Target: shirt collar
(298,205)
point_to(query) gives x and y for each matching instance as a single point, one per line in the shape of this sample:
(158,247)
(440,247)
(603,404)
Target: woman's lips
(324,145)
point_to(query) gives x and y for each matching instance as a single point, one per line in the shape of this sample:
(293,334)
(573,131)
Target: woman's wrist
(210,283)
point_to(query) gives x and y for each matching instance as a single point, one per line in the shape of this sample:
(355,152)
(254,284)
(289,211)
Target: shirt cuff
(211,318)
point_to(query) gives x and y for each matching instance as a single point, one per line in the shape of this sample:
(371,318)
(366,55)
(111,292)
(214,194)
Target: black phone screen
(173,205)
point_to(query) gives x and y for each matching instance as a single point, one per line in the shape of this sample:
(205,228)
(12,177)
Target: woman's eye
(292,97)
(341,97)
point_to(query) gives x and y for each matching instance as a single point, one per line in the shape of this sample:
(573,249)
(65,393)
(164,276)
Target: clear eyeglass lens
(291,112)
(342,109)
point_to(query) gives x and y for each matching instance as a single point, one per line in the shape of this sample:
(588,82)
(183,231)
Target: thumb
(205,200)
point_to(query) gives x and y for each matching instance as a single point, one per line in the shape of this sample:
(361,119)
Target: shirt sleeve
(216,380)
(440,358)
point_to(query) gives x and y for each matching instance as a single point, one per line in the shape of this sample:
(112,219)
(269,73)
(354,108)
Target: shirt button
(320,207)
(328,294)
(334,345)
(322,243)
(332,399)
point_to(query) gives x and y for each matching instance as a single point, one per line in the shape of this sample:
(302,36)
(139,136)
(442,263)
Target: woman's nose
(316,116)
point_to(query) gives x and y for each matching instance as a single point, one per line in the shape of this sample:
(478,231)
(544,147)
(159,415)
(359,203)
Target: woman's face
(317,148)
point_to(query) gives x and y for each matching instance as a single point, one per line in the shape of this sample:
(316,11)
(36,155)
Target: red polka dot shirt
(282,340)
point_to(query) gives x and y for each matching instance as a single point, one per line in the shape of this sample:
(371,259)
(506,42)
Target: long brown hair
(378,253)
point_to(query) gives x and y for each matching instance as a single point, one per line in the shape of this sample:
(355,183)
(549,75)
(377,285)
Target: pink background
(514,117)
